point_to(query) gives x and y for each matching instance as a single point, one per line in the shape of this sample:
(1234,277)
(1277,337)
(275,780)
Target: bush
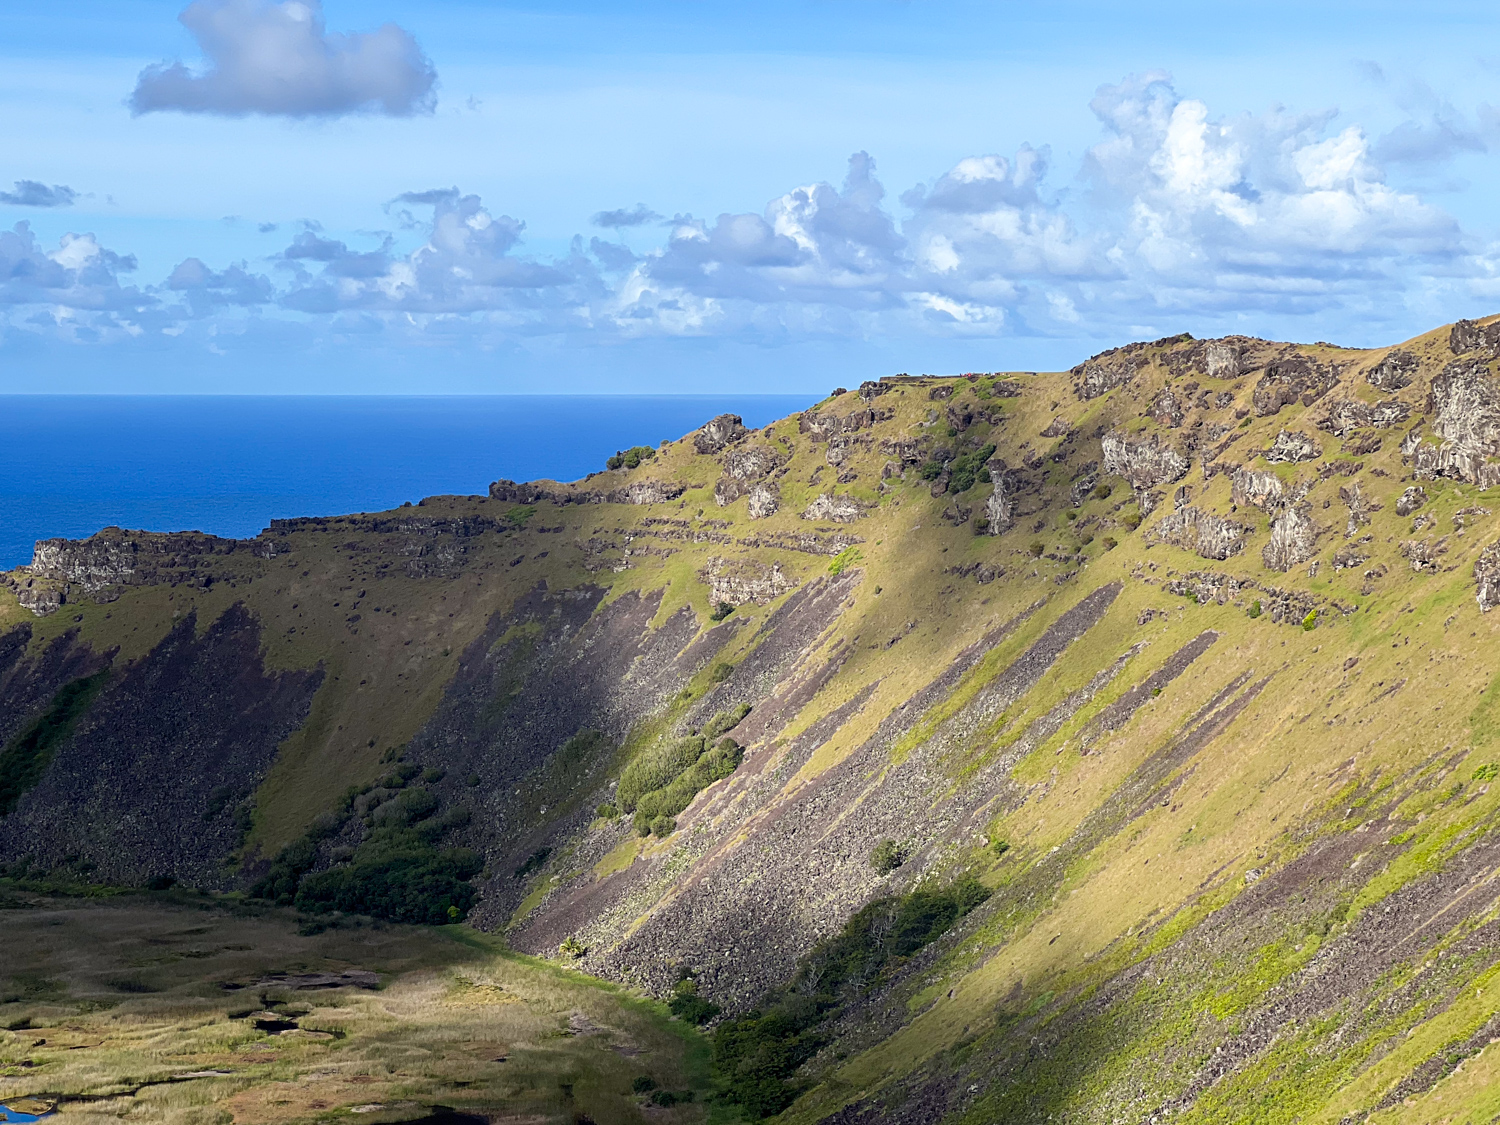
(721,611)
(1110,542)
(688,1006)
(1000,847)
(631,458)
(663,826)
(656,767)
(399,880)
(1132,520)
(930,470)
(1037,549)
(1255,610)
(572,947)
(887,856)
(1103,491)
(607,811)
(1310,622)
(725,721)
(968,468)
(720,672)
(643,1084)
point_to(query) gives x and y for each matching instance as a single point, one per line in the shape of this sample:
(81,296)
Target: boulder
(1144,462)
(743,467)
(839,509)
(1166,409)
(43,600)
(744,581)
(718,432)
(1470,336)
(1359,505)
(1294,538)
(763,502)
(1258,487)
(645,492)
(1487,578)
(1465,405)
(1221,360)
(1102,374)
(1411,500)
(871,388)
(1291,379)
(1395,371)
(1000,508)
(1292,446)
(1193,529)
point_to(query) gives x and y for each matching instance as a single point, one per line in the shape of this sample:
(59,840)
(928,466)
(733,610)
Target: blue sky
(247,196)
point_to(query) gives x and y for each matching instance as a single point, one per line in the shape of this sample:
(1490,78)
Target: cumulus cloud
(31,193)
(279,59)
(636,216)
(1177,217)
(465,266)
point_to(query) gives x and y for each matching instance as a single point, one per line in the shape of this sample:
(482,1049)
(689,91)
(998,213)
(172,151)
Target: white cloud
(1178,218)
(31,193)
(278,58)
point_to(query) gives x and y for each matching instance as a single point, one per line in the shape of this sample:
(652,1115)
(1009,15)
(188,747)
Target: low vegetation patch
(757,1056)
(26,758)
(631,458)
(664,778)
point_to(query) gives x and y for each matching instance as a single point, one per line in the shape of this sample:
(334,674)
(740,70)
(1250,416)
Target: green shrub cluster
(630,458)
(844,560)
(397,872)
(969,468)
(687,1005)
(23,762)
(887,856)
(663,780)
(756,1057)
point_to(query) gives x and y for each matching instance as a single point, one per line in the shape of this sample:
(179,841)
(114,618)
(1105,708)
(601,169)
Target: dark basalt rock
(1470,336)
(718,432)
(1291,379)
(1395,371)
(1292,446)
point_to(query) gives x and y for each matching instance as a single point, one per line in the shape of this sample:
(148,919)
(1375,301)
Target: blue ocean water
(70,465)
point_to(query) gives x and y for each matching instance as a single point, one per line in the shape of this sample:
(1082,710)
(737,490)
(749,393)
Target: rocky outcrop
(637,492)
(837,508)
(1411,500)
(1102,374)
(1291,379)
(1258,487)
(41,598)
(1395,371)
(1294,539)
(871,389)
(1192,529)
(1465,405)
(1221,359)
(1000,508)
(764,500)
(1360,507)
(821,427)
(1487,578)
(121,558)
(1166,409)
(1351,414)
(1292,446)
(744,581)
(743,467)
(1470,336)
(1145,463)
(718,432)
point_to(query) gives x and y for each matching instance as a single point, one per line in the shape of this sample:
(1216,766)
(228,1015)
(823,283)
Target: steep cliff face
(1183,656)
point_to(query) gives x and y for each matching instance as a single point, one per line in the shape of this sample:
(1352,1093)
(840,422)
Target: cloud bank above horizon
(1175,214)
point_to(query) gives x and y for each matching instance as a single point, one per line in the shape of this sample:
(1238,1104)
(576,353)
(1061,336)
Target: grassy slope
(1284,774)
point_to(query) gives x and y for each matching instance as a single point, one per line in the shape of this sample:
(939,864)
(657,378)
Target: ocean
(70,465)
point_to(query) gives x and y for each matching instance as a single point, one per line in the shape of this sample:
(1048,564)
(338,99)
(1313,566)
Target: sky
(246,196)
